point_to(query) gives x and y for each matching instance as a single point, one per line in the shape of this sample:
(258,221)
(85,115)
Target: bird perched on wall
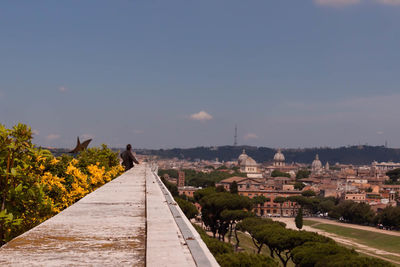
(80,147)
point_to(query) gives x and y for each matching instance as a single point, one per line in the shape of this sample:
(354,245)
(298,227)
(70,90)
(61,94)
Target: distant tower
(181,179)
(316,165)
(386,144)
(392,196)
(235,137)
(279,159)
(327,167)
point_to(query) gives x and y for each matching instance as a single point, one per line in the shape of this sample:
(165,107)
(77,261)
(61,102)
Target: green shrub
(245,260)
(215,246)
(187,207)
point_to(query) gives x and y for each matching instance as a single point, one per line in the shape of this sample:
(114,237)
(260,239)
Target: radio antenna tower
(235,137)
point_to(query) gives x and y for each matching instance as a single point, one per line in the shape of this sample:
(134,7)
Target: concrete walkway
(127,222)
(105,228)
(171,238)
(165,242)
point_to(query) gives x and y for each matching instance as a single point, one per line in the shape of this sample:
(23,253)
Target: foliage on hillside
(215,246)
(201,179)
(303,248)
(242,259)
(394,176)
(346,210)
(349,211)
(214,207)
(226,213)
(219,212)
(358,155)
(34,185)
(277,173)
(226,257)
(188,208)
(172,188)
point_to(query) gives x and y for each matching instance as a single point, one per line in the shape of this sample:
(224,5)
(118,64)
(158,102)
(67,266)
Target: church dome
(316,164)
(279,156)
(249,161)
(242,157)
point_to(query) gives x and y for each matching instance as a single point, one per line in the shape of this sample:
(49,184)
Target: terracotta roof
(233,179)
(281,178)
(313,180)
(391,186)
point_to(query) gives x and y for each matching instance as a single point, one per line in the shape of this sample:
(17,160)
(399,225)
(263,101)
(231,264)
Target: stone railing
(131,221)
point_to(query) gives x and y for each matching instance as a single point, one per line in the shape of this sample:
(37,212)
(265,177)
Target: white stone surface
(126,222)
(106,228)
(165,244)
(205,252)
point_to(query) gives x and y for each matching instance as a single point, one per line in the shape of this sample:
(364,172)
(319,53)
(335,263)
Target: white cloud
(52,137)
(380,132)
(138,131)
(389,2)
(250,136)
(35,132)
(337,3)
(87,136)
(201,116)
(62,89)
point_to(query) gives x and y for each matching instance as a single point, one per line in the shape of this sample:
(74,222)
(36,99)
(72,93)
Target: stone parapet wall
(127,222)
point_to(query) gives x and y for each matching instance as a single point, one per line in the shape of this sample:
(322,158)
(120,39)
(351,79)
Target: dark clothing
(127,159)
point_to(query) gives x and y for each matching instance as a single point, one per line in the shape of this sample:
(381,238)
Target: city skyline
(183,74)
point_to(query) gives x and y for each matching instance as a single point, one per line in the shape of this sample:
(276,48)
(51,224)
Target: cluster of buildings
(357,183)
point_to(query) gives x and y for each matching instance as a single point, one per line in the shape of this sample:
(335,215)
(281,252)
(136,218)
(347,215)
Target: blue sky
(163,74)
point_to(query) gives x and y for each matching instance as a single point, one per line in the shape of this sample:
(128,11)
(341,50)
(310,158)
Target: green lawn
(387,257)
(376,240)
(309,222)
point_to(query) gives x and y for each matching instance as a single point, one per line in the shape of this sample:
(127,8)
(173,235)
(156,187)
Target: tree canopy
(187,207)
(302,173)
(299,219)
(233,188)
(308,193)
(330,254)
(353,212)
(394,176)
(244,259)
(214,204)
(276,173)
(389,217)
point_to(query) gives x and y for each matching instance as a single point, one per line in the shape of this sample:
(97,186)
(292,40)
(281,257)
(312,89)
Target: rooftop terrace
(131,221)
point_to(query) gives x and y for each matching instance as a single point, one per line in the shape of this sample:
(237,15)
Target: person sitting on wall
(128,158)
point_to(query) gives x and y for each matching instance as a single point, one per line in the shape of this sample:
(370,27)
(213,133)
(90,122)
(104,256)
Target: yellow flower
(54,161)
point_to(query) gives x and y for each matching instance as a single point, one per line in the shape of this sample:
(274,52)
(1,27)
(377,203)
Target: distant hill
(357,155)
